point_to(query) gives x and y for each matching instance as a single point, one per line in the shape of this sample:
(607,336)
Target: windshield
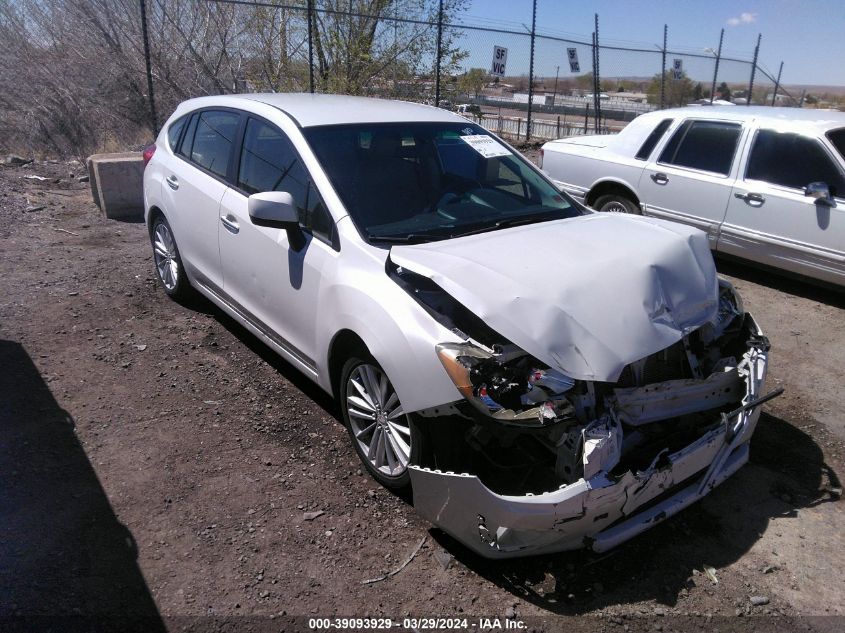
(416,182)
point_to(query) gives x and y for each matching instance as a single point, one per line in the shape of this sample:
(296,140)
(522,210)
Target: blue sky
(809,36)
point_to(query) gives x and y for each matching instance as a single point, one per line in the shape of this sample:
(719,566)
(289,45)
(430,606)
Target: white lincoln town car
(543,377)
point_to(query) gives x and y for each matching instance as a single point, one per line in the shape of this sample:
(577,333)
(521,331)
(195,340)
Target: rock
(659,611)
(35,208)
(310,516)
(14,159)
(444,558)
(83,179)
(510,613)
(759,601)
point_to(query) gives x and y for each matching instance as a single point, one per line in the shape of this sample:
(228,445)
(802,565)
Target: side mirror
(277,210)
(820,193)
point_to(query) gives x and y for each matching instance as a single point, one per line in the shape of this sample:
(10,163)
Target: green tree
(472,81)
(678,91)
(723,92)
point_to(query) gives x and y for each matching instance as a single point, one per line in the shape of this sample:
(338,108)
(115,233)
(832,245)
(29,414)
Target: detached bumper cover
(599,512)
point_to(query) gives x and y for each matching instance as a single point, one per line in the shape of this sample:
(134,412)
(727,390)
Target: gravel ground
(157,462)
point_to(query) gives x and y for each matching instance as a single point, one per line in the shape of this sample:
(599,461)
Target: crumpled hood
(586,295)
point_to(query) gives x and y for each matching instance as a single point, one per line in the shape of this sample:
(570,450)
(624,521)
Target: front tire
(169,269)
(614,203)
(378,426)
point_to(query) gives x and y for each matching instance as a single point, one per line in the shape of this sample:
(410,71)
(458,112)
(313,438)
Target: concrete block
(117,184)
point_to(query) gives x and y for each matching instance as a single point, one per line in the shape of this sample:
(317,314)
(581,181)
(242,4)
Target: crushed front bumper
(600,512)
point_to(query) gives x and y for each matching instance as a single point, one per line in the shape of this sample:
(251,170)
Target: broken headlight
(507,384)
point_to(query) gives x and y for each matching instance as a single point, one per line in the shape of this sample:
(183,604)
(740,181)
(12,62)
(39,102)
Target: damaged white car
(543,377)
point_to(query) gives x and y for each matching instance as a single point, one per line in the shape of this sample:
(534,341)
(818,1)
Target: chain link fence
(130,62)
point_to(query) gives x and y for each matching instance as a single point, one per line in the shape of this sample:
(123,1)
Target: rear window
(705,145)
(837,137)
(653,138)
(174,131)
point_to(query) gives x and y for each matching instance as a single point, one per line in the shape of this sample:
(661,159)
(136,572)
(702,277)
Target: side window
(269,162)
(174,131)
(213,139)
(705,145)
(188,140)
(792,160)
(653,138)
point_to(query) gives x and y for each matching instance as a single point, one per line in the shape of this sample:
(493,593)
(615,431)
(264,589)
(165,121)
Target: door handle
(660,178)
(231,223)
(173,182)
(752,199)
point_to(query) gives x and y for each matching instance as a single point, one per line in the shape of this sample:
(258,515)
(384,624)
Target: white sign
(500,59)
(485,145)
(677,69)
(572,54)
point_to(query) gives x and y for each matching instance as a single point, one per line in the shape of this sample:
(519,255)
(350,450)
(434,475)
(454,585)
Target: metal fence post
(597,75)
(153,115)
(311,46)
(753,70)
(663,68)
(777,85)
(531,72)
(438,55)
(716,68)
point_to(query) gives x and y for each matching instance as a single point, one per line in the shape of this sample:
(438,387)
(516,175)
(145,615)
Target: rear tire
(614,203)
(380,430)
(168,263)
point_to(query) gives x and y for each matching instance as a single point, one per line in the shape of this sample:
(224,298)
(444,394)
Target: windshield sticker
(486,145)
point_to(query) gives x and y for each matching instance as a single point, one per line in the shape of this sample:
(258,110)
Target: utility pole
(311,46)
(531,71)
(554,92)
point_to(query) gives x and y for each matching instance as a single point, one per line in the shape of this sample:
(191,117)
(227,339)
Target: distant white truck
(765,184)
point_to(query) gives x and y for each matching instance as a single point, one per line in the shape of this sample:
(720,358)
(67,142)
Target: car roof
(310,110)
(803,117)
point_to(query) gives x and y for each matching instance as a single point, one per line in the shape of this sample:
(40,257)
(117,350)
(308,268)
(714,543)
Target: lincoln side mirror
(820,193)
(277,210)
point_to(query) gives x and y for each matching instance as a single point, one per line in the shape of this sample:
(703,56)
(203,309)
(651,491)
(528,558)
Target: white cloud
(744,18)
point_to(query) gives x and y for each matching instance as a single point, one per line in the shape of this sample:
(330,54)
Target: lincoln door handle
(752,199)
(173,182)
(230,223)
(660,178)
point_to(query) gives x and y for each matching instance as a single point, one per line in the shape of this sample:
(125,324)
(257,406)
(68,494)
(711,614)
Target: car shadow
(786,472)
(781,281)
(66,561)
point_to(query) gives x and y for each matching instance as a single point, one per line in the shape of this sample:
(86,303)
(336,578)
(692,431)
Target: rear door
(690,179)
(195,182)
(769,218)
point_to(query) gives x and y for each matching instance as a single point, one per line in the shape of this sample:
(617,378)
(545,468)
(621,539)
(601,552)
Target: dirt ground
(157,462)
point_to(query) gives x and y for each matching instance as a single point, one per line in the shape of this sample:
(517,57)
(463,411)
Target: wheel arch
(344,344)
(610,187)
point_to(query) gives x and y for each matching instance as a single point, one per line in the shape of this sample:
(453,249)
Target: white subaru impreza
(543,377)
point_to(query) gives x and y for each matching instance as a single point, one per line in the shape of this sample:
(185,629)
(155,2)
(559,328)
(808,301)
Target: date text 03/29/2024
(417,624)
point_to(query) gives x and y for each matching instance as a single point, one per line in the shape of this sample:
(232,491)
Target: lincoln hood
(586,295)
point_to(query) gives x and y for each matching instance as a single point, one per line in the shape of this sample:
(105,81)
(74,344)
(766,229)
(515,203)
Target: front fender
(402,338)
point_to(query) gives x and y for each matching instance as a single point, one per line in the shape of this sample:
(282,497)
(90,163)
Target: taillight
(541,158)
(148,152)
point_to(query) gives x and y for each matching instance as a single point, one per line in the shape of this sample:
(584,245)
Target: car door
(771,221)
(275,287)
(195,178)
(691,178)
